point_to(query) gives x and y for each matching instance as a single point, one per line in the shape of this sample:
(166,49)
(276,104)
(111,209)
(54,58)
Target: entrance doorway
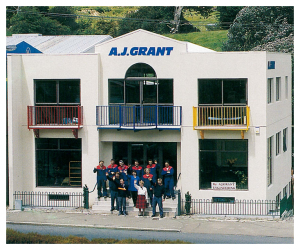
(143,151)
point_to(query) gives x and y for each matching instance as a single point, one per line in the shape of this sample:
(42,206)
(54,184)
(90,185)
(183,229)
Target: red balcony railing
(54,117)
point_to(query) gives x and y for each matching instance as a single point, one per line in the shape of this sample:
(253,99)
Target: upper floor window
(286,87)
(278,88)
(270,90)
(278,140)
(57,92)
(285,134)
(140,70)
(222,91)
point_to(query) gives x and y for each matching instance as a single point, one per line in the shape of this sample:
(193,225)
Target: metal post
(86,197)
(178,203)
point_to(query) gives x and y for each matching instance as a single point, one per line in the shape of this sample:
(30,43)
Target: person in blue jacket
(133,178)
(168,174)
(122,169)
(138,169)
(101,179)
(152,168)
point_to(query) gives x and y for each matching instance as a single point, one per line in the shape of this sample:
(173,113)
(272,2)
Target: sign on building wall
(140,51)
(223,185)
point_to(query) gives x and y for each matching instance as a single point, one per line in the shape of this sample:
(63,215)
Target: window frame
(285,140)
(57,83)
(278,143)
(270,90)
(270,161)
(278,89)
(60,150)
(286,87)
(222,92)
(221,149)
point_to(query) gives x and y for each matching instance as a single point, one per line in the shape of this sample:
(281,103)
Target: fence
(55,116)
(45,199)
(138,116)
(235,207)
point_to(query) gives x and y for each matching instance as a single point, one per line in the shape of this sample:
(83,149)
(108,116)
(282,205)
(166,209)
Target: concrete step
(103,205)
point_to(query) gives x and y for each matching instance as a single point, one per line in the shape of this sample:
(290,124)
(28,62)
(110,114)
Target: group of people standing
(142,185)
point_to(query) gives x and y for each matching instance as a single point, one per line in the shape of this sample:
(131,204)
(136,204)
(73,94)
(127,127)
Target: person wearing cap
(101,179)
(122,169)
(112,169)
(168,173)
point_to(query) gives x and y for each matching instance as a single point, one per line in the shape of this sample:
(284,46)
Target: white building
(222,119)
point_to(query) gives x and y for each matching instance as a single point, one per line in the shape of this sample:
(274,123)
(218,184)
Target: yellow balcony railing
(221,117)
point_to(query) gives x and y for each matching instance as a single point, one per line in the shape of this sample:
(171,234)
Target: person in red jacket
(168,174)
(153,169)
(148,184)
(122,169)
(138,169)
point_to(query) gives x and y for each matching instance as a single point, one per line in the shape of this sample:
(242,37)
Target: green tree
(65,15)
(226,15)
(156,19)
(30,20)
(257,25)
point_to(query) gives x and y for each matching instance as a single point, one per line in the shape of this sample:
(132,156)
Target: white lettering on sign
(141,51)
(223,185)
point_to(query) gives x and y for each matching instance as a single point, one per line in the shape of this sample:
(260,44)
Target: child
(168,173)
(133,191)
(141,198)
(101,179)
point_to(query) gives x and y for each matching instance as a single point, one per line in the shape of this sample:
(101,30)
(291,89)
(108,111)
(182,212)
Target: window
(278,88)
(222,91)
(57,92)
(278,139)
(286,87)
(270,90)
(58,162)
(138,92)
(284,144)
(223,161)
(270,161)
(284,191)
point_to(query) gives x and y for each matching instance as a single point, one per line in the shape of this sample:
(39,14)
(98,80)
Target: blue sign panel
(141,51)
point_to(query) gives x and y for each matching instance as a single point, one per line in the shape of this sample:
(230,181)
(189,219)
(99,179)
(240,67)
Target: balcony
(55,117)
(221,118)
(139,117)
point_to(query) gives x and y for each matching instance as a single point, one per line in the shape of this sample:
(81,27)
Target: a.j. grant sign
(141,51)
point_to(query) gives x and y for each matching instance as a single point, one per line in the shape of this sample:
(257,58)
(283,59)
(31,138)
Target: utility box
(18,204)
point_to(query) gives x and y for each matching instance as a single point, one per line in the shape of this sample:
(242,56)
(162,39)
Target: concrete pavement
(263,226)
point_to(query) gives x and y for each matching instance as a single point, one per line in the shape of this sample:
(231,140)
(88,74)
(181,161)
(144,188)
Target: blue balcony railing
(139,117)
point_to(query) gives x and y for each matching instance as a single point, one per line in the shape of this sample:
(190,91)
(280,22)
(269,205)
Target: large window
(270,161)
(58,162)
(222,91)
(223,161)
(57,92)
(139,92)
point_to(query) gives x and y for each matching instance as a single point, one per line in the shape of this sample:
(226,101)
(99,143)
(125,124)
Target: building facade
(222,119)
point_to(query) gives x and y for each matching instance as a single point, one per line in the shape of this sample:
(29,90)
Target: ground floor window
(58,162)
(223,162)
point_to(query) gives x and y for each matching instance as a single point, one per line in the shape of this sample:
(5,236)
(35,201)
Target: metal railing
(221,116)
(138,116)
(46,116)
(237,207)
(49,199)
